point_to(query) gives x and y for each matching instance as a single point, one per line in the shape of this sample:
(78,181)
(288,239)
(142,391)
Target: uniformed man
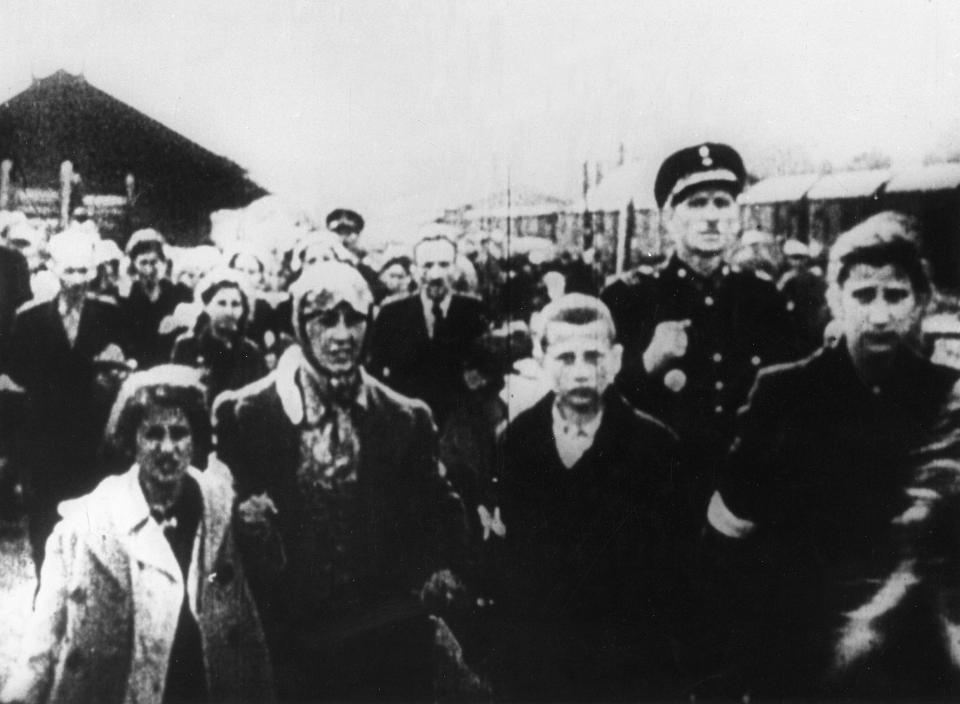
(696,331)
(348,224)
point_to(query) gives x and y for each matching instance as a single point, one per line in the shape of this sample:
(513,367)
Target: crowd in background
(584,500)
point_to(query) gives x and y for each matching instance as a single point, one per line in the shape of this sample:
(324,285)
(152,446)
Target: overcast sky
(370,103)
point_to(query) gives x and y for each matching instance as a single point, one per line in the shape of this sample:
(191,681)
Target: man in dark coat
(582,530)
(14,291)
(419,343)
(343,472)
(819,484)
(695,331)
(61,353)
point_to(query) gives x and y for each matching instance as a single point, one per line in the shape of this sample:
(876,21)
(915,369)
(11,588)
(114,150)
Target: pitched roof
(63,117)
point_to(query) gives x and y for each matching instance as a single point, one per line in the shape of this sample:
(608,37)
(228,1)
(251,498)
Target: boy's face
(581,362)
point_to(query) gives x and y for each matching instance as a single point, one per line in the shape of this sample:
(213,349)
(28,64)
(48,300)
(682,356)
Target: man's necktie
(437,320)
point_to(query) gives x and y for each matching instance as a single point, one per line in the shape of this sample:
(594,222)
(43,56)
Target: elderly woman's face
(164,445)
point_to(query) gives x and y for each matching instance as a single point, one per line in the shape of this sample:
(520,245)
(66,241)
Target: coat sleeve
(441,521)
(32,675)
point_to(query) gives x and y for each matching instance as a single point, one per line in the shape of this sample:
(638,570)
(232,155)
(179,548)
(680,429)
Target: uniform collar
(681,270)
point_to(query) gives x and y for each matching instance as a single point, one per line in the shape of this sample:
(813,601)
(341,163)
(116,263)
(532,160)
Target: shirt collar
(428,304)
(64,309)
(562,426)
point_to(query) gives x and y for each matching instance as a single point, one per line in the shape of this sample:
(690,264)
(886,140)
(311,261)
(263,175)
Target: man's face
(334,335)
(75,268)
(705,223)
(581,362)
(147,266)
(436,266)
(225,310)
(164,445)
(877,311)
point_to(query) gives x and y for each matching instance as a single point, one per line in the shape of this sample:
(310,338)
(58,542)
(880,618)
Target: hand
(669,343)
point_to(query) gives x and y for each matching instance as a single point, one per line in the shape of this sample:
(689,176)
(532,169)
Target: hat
(795,248)
(328,284)
(707,163)
(107,251)
(143,240)
(752,237)
(343,218)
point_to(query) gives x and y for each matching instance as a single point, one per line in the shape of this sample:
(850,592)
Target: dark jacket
(738,324)
(406,359)
(586,573)
(142,318)
(68,397)
(822,466)
(410,520)
(225,368)
(14,291)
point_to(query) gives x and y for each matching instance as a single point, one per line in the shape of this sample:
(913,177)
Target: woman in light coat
(142,597)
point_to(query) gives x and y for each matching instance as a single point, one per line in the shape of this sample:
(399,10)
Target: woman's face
(251,268)
(395,278)
(164,445)
(225,310)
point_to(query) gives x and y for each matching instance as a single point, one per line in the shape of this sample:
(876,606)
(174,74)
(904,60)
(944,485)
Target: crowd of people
(444,475)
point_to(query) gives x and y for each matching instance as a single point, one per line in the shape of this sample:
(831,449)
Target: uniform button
(718,410)
(708,300)
(682,273)
(718,386)
(726,270)
(755,361)
(717,357)
(790,306)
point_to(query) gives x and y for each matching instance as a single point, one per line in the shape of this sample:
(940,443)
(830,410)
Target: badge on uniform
(675,380)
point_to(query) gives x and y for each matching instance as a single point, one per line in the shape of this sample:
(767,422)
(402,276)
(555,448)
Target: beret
(343,217)
(706,163)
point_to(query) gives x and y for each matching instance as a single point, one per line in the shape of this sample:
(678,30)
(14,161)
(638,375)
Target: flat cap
(344,219)
(707,163)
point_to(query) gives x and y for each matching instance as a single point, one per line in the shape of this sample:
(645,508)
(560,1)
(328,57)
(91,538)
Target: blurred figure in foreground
(818,488)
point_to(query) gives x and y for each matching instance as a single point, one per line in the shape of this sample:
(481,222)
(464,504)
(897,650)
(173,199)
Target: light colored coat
(110,595)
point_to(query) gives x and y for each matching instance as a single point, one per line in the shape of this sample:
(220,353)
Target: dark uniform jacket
(822,465)
(738,324)
(404,357)
(584,574)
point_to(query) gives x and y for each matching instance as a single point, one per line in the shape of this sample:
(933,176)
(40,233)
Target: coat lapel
(143,537)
